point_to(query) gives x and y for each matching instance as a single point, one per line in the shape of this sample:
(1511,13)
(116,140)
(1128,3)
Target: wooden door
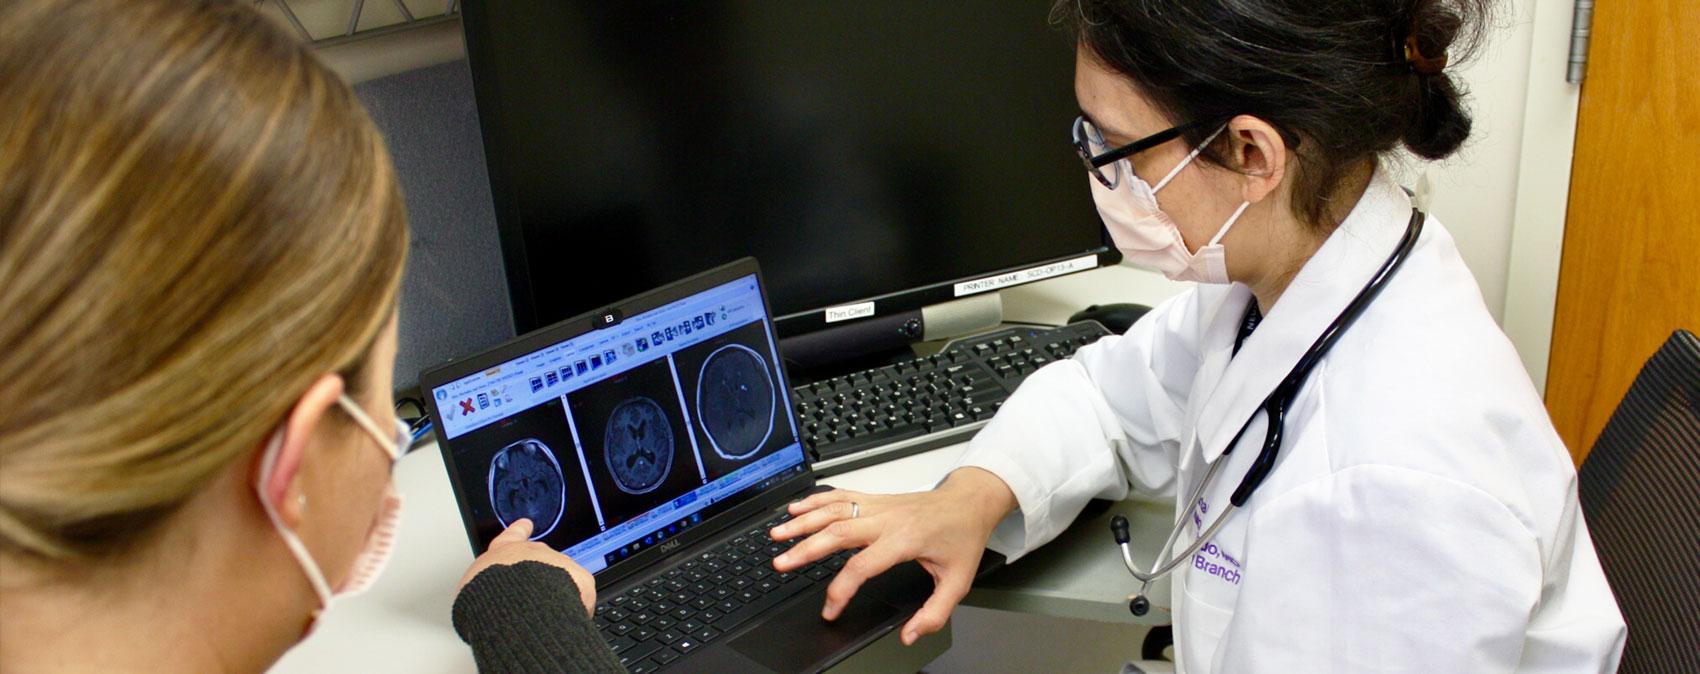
(1630,273)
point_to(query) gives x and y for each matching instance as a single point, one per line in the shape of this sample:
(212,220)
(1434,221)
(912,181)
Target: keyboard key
(691,626)
(706,635)
(641,633)
(639,652)
(663,622)
(686,645)
(644,667)
(620,629)
(670,636)
(682,613)
(766,602)
(664,657)
(621,644)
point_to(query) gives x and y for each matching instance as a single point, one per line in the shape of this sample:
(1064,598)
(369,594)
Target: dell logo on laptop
(669,546)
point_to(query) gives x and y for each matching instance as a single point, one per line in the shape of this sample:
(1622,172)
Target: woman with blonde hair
(201,244)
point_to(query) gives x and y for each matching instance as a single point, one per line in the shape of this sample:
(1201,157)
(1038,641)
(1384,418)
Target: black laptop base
(728,610)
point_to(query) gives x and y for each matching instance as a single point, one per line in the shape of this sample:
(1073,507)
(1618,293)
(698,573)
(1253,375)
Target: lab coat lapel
(1320,291)
(1217,349)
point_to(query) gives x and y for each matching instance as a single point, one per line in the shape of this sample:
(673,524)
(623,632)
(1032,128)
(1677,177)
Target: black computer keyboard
(651,624)
(881,414)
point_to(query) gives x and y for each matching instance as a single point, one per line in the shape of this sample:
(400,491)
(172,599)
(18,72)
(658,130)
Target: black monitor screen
(885,149)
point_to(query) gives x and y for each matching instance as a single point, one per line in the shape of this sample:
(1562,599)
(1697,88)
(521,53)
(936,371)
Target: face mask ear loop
(366,422)
(311,568)
(1231,220)
(1189,157)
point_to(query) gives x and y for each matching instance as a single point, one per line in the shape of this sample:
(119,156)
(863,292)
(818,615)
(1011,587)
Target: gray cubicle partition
(454,298)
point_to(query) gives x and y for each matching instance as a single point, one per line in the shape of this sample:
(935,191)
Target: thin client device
(654,442)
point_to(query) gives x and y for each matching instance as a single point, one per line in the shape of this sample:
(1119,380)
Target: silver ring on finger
(855,509)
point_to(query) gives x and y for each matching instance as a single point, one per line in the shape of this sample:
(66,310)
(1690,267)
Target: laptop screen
(619,439)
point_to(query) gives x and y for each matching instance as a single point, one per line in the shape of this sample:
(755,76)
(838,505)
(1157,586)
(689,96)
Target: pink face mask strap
(1189,157)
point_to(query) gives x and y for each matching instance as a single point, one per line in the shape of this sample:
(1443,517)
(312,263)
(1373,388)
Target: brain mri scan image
(735,401)
(638,445)
(525,481)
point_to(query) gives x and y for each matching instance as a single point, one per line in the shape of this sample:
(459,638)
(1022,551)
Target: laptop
(654,442)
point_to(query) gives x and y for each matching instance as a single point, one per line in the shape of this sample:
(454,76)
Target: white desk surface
(403,625)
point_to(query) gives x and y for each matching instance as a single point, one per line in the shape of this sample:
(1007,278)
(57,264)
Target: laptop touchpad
(796,639)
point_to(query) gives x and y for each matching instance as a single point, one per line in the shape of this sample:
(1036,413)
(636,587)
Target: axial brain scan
(526,481)
(735,401)
(638,445)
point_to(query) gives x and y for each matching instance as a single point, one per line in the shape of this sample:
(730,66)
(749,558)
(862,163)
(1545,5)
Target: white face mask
(1149,238)
(380,539)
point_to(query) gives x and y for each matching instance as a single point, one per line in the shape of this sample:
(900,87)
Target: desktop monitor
(876,156)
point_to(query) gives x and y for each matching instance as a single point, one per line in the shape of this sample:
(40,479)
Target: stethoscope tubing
(1274,408)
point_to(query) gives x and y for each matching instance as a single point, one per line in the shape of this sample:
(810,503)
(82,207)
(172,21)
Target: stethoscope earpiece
(1139,605)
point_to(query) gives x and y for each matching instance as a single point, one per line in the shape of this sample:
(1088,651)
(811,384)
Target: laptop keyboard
(696,602)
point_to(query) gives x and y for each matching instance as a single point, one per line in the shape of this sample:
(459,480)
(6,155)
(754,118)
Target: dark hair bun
(1438,122)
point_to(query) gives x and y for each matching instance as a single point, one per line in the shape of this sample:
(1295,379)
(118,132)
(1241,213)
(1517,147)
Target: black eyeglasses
(1095,153)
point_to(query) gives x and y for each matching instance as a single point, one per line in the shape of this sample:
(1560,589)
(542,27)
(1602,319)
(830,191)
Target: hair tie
(1422,64)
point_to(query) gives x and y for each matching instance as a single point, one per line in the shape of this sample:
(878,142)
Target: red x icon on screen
(466,406)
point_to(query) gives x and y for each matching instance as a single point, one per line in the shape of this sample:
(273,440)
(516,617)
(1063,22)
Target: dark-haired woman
(1418,512)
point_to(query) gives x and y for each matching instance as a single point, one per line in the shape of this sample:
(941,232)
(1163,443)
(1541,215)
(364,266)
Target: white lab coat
(1422,516)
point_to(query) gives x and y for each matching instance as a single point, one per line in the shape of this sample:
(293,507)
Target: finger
(817,500)
(952,586)
(875,560)
(812,521)
(518,532)
(837,536)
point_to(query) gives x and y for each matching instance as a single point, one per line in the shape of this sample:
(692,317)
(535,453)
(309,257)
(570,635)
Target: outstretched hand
(944,529)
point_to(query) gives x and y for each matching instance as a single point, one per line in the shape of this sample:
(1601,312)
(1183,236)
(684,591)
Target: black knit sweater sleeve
(527,617)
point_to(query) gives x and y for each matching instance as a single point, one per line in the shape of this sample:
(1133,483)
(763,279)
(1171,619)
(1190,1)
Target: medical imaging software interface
(620,439)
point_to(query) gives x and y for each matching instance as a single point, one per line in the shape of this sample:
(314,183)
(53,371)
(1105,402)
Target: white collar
(1314,298)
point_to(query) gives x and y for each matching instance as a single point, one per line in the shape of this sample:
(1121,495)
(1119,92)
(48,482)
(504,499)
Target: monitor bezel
(589,322)
(516,264)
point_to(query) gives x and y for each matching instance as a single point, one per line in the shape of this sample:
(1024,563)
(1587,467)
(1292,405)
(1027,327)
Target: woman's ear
(281,486)
(1258,153)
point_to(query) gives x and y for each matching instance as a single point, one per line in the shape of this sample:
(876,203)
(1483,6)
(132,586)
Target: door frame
(1543,190)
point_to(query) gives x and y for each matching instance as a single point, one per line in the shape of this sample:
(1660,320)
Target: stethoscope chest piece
(1139,605)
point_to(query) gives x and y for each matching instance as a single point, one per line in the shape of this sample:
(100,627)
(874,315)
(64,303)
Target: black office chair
(1640,491)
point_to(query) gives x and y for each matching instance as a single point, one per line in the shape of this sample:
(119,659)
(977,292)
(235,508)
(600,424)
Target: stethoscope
(1275,407)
